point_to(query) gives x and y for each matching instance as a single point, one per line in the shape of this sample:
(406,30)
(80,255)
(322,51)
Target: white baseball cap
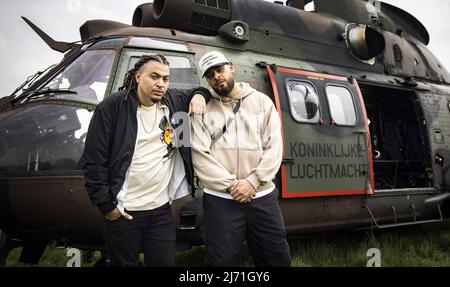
(211,60)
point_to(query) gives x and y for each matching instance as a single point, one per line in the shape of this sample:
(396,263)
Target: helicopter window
(182,75)
(341,105)
(304,102)
(55,136)
(88,75)
(175,62)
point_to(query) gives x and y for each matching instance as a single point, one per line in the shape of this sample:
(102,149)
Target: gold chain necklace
(145,121)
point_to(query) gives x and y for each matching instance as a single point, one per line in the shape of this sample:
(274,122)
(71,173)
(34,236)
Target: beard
(156,99)
(225,90)
(147,97)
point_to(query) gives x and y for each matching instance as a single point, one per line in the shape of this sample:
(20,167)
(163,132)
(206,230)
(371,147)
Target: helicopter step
(187,230)
(412,215)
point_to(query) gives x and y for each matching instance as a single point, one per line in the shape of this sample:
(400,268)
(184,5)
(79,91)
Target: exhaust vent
(195,16)
(365,43)
(143,16)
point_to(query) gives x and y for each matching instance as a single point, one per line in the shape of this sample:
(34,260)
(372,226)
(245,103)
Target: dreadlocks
(129,82)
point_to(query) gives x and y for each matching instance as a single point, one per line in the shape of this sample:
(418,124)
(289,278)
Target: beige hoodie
(250,149)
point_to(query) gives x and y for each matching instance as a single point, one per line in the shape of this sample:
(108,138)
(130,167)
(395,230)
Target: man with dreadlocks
(134,165)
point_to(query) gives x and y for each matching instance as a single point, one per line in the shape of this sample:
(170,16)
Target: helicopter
(364,106)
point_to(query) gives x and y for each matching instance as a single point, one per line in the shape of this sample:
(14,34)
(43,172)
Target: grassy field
(407,247)
(420,246)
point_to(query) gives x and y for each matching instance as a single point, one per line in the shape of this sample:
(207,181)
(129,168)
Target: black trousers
(228,223)
(152,232)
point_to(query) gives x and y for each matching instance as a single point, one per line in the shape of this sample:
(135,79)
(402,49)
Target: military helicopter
(365,108)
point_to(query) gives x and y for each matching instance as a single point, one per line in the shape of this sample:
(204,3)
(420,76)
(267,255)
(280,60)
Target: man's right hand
(116,214)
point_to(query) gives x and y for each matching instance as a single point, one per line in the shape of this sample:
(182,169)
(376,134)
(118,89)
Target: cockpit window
(182,75)
(304,102)
(88,75)
(54,134)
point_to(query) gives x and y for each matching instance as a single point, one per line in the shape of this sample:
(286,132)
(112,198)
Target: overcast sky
(23,53)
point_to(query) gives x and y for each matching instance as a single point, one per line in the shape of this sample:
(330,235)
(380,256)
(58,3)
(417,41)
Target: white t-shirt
(148,177)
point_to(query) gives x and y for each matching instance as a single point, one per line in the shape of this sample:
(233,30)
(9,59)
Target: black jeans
(152,232)
(228,223)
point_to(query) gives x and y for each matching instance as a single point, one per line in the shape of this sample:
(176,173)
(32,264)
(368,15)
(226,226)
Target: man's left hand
(197,105)
(242,191)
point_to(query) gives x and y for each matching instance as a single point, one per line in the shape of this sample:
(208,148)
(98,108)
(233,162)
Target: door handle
(366,144)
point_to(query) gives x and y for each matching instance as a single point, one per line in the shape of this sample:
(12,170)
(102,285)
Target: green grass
(53,257)
(407,247)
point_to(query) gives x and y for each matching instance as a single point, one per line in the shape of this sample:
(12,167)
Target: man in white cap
(236,153)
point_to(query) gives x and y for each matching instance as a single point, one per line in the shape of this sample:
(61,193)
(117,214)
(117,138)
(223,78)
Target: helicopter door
(327,150)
